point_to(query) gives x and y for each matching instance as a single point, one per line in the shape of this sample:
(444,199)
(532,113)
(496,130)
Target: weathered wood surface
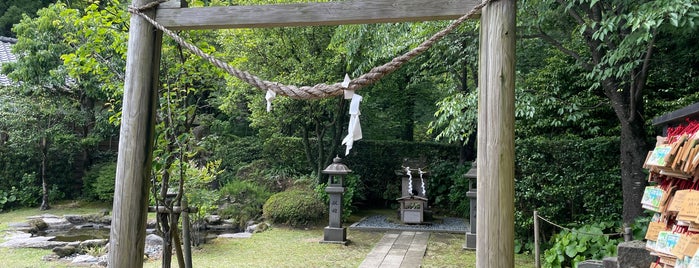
(496,106)
(128,231)
(312,14)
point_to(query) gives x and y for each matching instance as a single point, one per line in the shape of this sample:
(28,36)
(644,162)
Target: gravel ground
(380,223)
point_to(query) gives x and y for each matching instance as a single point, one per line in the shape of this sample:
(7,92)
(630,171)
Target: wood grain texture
(313,14)
(496,136)
(128,231)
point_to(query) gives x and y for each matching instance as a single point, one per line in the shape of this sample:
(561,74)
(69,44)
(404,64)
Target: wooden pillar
(496,113)
(128,231)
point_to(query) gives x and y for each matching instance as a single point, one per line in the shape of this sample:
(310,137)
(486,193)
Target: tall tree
(614,42)
(292,56)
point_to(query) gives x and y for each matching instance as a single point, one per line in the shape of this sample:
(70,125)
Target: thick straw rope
(320,90)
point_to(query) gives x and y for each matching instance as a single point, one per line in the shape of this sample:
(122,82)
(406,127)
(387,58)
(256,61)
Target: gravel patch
(381,223)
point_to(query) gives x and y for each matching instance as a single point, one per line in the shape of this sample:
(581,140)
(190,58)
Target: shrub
(242,201)
(29,190)
(587,242)
(98,183)
(294,207)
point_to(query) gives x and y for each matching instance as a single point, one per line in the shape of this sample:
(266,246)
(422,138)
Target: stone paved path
(398,249)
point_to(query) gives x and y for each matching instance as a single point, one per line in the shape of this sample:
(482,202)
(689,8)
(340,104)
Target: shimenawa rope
(320,90)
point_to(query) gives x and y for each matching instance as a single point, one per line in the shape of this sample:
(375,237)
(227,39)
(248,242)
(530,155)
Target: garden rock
(213,219)
(236,235)
(25,240)
(93,243)
(153,239)
(64,251)
(75,219)
(257,228)
(222,227)
(54,222)
(85,260)
(154,246)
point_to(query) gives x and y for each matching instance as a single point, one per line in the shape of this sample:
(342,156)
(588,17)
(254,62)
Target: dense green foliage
(447,188)
(242,201)
(295,208)
(552,177)
(98,182)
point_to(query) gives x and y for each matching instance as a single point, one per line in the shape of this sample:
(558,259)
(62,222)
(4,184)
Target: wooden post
(537,253)
(496,114)
(128,231)
(186,236)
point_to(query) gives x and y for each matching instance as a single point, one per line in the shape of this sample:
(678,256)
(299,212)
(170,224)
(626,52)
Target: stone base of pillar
(470,242)
(334,235)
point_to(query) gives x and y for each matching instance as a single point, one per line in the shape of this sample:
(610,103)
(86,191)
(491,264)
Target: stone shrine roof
(6,56)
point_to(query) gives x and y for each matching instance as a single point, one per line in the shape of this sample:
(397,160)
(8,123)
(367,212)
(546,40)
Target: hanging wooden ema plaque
(690,207)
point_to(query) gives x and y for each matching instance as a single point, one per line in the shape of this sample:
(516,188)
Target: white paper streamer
(410,181)
(346,82)
(354,130)
(270,97)
(422,180)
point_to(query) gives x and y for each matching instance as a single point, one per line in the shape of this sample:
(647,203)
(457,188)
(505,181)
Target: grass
(277,247)
(283,247)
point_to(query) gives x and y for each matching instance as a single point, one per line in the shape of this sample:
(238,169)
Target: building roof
(678,116)
(6,56)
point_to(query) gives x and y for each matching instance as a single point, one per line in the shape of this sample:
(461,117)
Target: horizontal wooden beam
(313,14)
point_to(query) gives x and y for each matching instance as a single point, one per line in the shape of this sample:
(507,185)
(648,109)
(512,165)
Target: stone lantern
(334,232)
(471,176)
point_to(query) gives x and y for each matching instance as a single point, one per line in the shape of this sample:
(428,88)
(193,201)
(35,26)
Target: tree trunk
(628,108)
(44,185)
(633,180)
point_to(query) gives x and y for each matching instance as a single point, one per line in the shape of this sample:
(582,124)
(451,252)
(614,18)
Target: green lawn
(277,247)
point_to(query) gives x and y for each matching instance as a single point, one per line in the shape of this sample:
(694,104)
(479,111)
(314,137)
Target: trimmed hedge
(375,161)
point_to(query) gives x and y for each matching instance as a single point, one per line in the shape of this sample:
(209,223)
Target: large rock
(222,227)
(75,219)
(64,251)
(154,247)
(93,243)
(153,239)
(85,260)
(213,219)
(24,240)
(257,228)
(633,254)
(236,235)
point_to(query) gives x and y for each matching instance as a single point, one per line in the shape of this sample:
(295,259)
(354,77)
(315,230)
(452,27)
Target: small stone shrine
(413,200)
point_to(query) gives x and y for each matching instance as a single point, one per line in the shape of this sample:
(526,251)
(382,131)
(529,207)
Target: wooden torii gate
(495,246)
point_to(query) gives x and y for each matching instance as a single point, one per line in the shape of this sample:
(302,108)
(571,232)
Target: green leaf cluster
(570,247)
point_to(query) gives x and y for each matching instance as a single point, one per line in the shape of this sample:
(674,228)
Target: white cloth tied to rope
(354,130)
(270,97)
